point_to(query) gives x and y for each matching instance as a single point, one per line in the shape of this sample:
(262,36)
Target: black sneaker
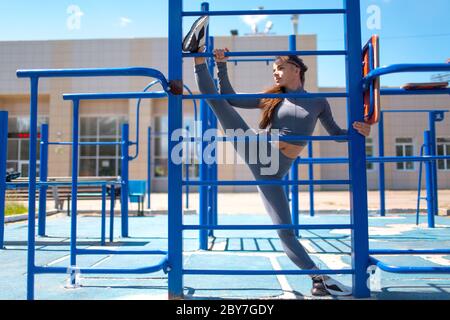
(196,37)
(12,175)
(329,287)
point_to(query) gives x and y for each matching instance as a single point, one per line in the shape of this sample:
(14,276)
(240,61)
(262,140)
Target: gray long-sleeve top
(293,116)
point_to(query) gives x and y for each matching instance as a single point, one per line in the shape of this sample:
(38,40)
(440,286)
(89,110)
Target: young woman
(292,117)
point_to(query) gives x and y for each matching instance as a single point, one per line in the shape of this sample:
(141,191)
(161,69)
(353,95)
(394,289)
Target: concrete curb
(22,217)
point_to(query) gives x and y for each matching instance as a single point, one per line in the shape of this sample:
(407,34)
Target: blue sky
(410,30)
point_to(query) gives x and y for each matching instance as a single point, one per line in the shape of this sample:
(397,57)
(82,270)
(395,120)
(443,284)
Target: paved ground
(232,250)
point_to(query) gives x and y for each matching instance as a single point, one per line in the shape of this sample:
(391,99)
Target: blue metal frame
(3,157)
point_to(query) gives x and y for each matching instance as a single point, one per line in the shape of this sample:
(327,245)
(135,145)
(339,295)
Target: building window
(19,144)
(443,149)
(369,153)
(404,147)
(100,160)
(160,153)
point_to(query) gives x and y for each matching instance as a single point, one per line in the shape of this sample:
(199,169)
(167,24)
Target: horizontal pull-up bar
(262,12)
(269,227)
(263,182)
(271,53)
(266,95)
(265,272)
(115,95)
(94,72)
(399,92)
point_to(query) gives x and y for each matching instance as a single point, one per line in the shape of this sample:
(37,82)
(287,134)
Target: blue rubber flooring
(233,250)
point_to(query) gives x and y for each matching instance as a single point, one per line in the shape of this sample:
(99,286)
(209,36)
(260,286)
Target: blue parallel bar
(43,174)
(398,92)
(175,210)
(68,143)
(264,272)
(103,227)
(94,72)
(429,180)
(397,68)
(415,270)
(263,182)
(115,95)
(425,158)
(419,185)
(432,119)
(75,147)
(124,179)
(381,172)
(32,188)
(271,53)
(270,227)
(125,252)
(266,95)
(111,213)
(294,204)
(162,265)
(411,252)
(11,185)
(268,138)
(356,149)
(3,153)
(262,12)
(414,111)
(149,165)
(311,177)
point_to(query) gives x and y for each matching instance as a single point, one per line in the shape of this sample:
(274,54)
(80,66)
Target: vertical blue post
(188,159)
(3,153)
(32,189)
(111,213)
(124,174)
(294,196)
(311,177)
(175,223)
(43,172)
(429,177)
(432,127)
(212,174)
(357,154)
(381,179)
(419,184)
(103,227)
(203,212)
(75,147)
(149,165)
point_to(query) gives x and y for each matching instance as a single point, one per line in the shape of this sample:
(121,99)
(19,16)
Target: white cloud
(124,21)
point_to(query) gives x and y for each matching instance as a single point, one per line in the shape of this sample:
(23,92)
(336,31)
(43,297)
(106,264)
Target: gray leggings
(273,196)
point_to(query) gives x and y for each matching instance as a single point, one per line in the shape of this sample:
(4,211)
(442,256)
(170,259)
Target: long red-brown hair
(268,105)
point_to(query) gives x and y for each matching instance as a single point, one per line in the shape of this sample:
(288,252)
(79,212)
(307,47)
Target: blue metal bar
(115,95)
(356,147)
(188,156)
(398,92)
(103,223)
(294,203)
(162,265)
(105,143)
(124,179)
(381,172)
(32,188)
(11,185)
(432,152)
(415,270)
(124,252)
(419,185)
(414,111)
(94,72)
(311,177)
(43,172)
(269,138)
(111,213)
(3,157)
(398,68)
(264,272)
(374,159)
(271,53)
(429,180)
(266,95)
(175,210)
(75,147)
(271,227)
(263,182)
(263,12)
(409,252)
(149,165)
